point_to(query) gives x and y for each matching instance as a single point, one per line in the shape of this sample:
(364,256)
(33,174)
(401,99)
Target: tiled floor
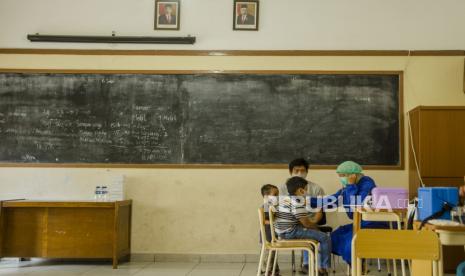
(61,268)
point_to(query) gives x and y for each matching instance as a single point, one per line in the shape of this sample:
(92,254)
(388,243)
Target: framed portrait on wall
(245,15)
(167,14)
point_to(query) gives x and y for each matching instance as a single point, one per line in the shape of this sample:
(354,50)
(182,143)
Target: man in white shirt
(299,167)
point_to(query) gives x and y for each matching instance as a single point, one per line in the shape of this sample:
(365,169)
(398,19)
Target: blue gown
(341,238)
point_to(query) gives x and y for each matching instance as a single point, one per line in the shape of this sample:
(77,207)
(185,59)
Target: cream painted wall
(296,24)
(214,210)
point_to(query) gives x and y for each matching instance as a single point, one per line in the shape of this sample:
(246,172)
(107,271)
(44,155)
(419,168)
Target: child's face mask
(267,201)
(270,199)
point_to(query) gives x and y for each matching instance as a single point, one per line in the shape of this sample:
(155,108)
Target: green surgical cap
(349,167)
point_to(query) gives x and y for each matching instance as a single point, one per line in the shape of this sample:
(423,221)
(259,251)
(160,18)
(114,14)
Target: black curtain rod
(112,39)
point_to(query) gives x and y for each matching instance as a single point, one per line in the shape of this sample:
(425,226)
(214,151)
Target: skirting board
(184,258)
(207,258)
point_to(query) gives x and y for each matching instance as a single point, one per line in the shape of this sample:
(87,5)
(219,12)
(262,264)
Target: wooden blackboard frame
(400,74)
(300,53)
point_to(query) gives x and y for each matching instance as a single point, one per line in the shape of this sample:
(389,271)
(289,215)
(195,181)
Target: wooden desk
(422,247)
(457,229)
(448,235)
(397,215)
(64,229)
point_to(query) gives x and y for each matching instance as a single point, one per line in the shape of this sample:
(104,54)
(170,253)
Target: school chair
(272,212)
(422,247)
(283,245)
(385,217)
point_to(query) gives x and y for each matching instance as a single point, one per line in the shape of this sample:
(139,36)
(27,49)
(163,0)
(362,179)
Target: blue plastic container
(461,269)
(431,200)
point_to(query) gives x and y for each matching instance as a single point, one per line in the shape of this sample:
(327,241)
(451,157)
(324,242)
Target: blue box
(431,200)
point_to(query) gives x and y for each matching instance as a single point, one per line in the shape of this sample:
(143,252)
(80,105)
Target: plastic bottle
(98,193)
(104,193)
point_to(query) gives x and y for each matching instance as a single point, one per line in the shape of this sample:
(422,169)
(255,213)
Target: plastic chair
(282,245)
(422,247)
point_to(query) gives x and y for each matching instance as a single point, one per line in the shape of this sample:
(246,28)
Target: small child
(293,222)
(268,191)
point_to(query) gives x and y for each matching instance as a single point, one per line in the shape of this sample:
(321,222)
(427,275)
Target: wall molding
(25,51)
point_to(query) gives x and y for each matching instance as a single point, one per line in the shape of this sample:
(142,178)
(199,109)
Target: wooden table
(66,229)
(448,235)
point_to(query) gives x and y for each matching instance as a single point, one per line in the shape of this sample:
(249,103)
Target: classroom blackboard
(200,118)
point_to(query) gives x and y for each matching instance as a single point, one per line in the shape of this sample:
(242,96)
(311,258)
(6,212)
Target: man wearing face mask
(299,167)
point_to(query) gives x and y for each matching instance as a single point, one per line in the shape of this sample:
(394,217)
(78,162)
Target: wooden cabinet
(54,229)
(438,135)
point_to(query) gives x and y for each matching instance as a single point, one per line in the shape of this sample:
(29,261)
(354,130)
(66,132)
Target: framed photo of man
(245,15)
(167,14)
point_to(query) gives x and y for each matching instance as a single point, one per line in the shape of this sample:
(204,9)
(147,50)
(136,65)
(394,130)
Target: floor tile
(127,269)
(12,271)
(167,269)
(65,268)
(217,269)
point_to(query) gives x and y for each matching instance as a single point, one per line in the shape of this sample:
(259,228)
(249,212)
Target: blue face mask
(344,181)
